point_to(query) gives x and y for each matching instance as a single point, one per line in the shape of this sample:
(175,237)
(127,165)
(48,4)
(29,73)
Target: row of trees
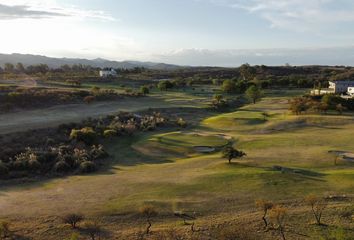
(323,104)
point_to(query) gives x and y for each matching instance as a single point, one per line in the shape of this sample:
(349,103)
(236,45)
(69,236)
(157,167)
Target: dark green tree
(231,153)
(254,93)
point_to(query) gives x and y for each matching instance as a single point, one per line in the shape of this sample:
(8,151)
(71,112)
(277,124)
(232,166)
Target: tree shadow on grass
(308,174)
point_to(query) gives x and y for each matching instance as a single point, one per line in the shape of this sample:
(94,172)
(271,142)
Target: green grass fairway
(162,169)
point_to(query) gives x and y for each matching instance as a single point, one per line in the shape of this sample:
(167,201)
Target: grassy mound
(177,143)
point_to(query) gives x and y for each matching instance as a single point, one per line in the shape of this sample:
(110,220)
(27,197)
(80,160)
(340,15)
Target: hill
(29,59)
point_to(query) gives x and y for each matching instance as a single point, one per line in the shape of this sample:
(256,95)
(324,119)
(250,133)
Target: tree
(164,85)
(340,108)
(265,115)
(254,93)
(278,215)
(20,68)
(73,219)
(247,72)
(318,205)
(228,86)
(93,229)
(148,212)
(9,67)
(265,206)
(144,90)
(231,153)
(218,101)
(299,105)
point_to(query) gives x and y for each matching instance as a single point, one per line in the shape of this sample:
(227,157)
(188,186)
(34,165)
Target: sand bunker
(204,149)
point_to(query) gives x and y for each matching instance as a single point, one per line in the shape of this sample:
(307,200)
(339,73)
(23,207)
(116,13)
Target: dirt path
(53,116)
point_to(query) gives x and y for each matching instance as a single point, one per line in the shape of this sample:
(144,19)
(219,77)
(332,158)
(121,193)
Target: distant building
(350,91)
(335,87)
(108,73)
(341,86)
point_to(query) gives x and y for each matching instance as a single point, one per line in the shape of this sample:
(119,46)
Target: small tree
(278,215)
(218,101)
(89,99)
(231,153)
(5,231)
(144,90)
(254,93)
(318,205)
(340,108)
(73,219)
(93,229)
(265,115)
(228,86)
(148,212)
(265,206)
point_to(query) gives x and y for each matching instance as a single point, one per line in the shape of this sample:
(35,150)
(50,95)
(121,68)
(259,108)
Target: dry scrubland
(287,159)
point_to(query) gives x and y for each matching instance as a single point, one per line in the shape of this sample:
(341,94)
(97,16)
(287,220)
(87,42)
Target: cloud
(40,9)
(233,58)
(300,15)
(20,11)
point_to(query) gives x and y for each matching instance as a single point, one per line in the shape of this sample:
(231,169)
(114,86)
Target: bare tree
(148,212)
(93,229)
(278,215)
(72,219)
(265,206)
(318,205)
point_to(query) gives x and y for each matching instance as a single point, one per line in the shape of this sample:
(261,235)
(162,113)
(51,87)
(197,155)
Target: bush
(109,133)
(4,171)
(89,99)
(144,90)
(86,135)
(73,219)
(5,231)
(98,152)
(181,122)
(87,167)
(61,167)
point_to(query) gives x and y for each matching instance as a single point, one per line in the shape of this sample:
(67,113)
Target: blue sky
(187,32)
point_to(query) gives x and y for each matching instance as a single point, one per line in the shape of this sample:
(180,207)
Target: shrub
(109,133)
(89,99)
(5,231)
(98,152)
(61,166)
(86,135)
(181,122)
(144,90)
(72,219)
(4,170)
(87,167)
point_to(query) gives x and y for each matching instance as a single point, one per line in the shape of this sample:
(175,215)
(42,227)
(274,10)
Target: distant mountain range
(28,59)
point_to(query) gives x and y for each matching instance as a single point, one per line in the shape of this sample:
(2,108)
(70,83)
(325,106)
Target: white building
(335,87)
(350,91)
(341,86)
(108,73)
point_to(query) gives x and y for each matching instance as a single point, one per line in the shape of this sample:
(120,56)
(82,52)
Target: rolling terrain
(287,159)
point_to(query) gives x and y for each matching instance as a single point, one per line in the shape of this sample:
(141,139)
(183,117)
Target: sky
(184,32)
